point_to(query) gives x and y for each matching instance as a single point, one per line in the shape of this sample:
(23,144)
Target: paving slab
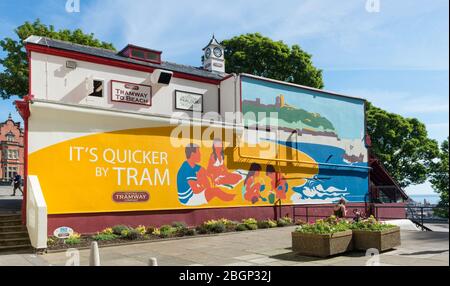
(263,247)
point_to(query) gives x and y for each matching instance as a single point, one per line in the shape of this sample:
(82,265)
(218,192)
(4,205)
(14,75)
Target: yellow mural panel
(141,170)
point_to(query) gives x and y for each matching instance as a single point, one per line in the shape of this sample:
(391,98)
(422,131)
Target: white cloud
(340,34)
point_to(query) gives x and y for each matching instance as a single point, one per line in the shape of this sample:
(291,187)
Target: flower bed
(122,234)
(323,238)
(373,234)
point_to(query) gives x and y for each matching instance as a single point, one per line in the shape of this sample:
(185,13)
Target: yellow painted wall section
(83,175)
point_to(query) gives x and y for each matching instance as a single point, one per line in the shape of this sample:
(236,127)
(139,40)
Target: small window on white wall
(98,88)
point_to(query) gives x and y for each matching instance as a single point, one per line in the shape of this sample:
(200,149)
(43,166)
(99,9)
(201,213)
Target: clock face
(218,52)
(208,53)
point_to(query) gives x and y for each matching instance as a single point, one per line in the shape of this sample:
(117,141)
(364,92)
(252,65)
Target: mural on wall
(140,169)
(114,166)
(328,128)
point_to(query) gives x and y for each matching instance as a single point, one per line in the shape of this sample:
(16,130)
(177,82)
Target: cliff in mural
(290,117)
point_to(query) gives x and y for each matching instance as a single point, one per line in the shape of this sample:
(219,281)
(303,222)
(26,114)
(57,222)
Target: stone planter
(381,240)
(322,245)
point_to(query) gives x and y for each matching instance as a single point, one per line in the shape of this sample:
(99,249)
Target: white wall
(51,80)
(230,97)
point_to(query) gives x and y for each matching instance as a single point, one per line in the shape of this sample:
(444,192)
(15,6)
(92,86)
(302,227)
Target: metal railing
(419,215)
(313,212)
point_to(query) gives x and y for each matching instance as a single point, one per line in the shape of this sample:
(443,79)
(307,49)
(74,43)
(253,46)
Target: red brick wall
(91,223)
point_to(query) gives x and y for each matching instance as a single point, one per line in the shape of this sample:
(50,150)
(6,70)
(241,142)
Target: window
(153,57)
(13,154)
(137,54)
(10,137)
(98,89)
(11,172)
(146,55)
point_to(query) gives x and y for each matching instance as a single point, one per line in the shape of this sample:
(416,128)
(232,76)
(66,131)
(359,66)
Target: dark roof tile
(109,54)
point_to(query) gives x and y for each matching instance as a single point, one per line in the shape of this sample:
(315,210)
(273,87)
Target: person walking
(340,210)
(17,184)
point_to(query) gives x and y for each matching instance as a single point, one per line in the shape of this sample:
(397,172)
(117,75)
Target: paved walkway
(261,247)
(7,202)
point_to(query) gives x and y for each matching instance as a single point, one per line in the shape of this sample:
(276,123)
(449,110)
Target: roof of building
(213,41)
(113,55)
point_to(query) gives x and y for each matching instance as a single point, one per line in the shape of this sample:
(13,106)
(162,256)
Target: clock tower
(213,58)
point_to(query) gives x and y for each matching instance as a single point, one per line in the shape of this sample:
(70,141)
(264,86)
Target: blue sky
(397,58)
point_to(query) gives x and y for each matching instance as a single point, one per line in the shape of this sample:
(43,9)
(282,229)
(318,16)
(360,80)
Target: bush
(156,232)
(51,241)
(241,227)
(118,229)
(216,227)
(300,222)
(141,229)
(181,229)
(107,231)
(250,223)
(212,226)
(327,226)
(190,232)
(73,239)
(370,224)
(284,221)
(179,224)
(201,229)
(131,234)
(104,236)
(267,223)
(150,229)
(229,224)
(167,231)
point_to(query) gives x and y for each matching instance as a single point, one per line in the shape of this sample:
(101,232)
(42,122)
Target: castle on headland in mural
(311,126)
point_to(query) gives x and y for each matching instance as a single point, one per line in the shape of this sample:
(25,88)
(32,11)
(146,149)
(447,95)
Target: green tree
(402,144)
(14,78)
(261,56)
(440,178)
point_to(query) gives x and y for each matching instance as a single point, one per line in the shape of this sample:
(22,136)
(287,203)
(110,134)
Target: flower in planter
(371,224)
(107,231)
(118,229)
(285,221)
(167,231)
(250,223)
(300,222)
(156,232)
(104,236)
(131,234)
(51,241)
(327,226)
(141,229)
(74,238)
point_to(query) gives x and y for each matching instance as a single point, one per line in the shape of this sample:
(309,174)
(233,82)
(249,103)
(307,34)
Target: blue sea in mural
(332,182)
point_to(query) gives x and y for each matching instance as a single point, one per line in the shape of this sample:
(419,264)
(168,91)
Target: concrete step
(15,249)
(14,241)
(12,228)
(10,217)
(10,222)
(13,234)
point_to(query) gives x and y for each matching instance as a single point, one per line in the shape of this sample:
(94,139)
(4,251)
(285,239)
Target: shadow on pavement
(425,252)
